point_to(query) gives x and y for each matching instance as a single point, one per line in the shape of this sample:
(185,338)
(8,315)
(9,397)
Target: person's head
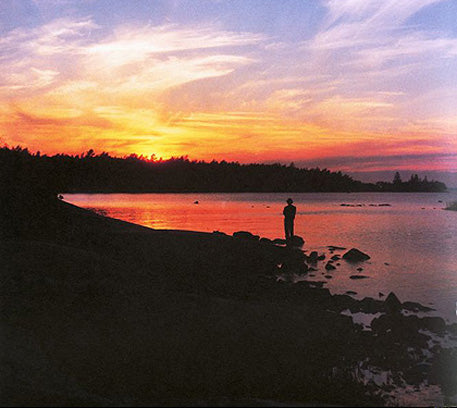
(289,201)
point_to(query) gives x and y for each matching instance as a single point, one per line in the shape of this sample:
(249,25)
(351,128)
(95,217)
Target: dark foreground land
(96,311)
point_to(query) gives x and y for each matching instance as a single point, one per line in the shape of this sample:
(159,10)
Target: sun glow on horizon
(364,86)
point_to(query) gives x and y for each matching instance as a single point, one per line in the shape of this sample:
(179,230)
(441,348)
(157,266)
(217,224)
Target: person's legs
(289,228)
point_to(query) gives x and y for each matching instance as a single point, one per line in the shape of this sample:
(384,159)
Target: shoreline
(116,307)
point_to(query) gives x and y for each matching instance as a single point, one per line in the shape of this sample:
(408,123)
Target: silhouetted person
(289,216)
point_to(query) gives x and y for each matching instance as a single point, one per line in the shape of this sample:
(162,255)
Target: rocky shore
(96,311)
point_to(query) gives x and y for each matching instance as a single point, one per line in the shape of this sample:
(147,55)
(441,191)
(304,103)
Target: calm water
(414,235)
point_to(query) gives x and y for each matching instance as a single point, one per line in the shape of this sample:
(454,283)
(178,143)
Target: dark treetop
(91,173)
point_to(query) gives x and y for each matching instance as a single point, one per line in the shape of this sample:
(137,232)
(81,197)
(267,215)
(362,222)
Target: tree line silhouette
(23,171)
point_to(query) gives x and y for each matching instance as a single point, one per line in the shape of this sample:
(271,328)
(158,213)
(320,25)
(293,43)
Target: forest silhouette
(24,172)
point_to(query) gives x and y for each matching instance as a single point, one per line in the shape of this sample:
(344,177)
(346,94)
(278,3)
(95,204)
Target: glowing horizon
(352,85)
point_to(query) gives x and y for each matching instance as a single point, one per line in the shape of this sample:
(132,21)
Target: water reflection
(413,236)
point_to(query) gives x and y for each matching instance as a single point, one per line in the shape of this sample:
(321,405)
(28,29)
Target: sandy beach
(97,311)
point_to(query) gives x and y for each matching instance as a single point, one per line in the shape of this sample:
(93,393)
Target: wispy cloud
(367,79)
(69,66)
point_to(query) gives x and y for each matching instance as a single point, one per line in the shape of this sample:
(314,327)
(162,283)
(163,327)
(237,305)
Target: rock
(335,248)
(294,266)
(434,324)
(416,374)
(329,266)
(443,371)
(342,302)
(384,205)
(308,284)
(297,241)
(246,235)
(219,233)
(196,202)
(279,241)
(359,269)
(312,257)
(351,292)
(355,255)
(380,294)
(392,304)
(316,284)
(321,257)
(386,263)
(328,277)
(358,277)
(266,240)
(452,328)
(335,257)
(370,305)
(416,307)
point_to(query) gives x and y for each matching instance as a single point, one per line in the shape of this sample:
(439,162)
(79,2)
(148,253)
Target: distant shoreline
(256,192)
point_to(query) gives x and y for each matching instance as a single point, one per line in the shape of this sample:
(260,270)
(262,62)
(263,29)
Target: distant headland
(101,173)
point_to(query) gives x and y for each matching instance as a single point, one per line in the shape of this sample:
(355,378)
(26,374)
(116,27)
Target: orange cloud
(215,94)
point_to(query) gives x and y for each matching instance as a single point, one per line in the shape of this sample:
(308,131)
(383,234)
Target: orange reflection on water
(411,242)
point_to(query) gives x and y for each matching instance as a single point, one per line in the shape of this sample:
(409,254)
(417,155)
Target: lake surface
(412,242)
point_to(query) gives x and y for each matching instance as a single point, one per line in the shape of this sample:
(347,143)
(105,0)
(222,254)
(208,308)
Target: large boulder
(416,307)
(392,304)
(297,241)
(246,235)
(434,324)
(279,241)
(312,257)
(370,305)
(355,255)
(266,240)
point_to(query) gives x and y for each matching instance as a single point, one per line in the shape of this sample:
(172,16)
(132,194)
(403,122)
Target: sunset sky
(351,85)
